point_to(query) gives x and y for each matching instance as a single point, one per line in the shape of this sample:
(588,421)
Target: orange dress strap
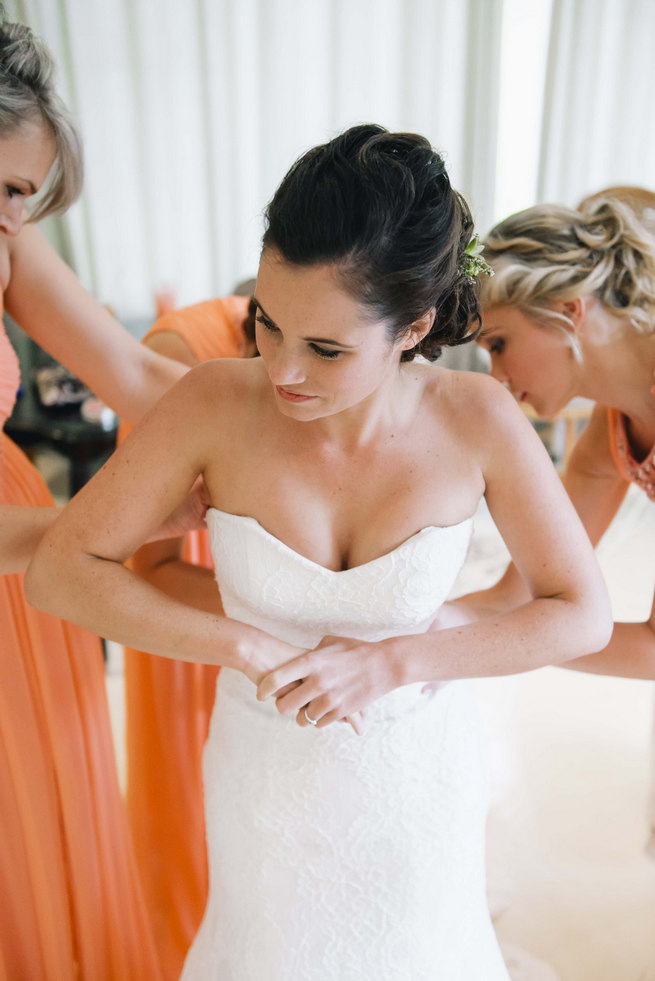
(640,472)
(169,705)
(71,905)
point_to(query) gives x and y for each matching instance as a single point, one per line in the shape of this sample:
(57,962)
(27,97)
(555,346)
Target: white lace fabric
(335,857)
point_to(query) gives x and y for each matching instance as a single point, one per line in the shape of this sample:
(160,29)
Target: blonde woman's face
(535,362)
(26,156)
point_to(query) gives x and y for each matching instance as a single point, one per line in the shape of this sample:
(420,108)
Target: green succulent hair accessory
(472,263)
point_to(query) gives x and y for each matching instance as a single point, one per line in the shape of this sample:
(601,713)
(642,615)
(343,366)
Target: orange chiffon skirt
(169,705)
(71,906)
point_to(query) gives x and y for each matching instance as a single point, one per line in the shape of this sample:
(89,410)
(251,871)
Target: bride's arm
(596,490)
(78,571)
(566,615)
(23,526)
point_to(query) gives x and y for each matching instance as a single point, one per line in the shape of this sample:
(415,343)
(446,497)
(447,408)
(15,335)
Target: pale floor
(571,763)
(570,759)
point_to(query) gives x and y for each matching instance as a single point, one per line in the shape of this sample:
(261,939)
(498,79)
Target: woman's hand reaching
(187,516)
(335,681)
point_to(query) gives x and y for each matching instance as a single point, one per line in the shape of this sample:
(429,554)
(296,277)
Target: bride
(342,474)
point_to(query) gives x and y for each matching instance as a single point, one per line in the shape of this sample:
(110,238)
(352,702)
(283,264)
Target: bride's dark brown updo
(380,207)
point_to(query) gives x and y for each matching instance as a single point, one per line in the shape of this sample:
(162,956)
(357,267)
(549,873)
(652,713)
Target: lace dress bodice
(262,580)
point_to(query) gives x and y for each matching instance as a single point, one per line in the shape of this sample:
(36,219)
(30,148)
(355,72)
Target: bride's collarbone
(349,492)
(342,527)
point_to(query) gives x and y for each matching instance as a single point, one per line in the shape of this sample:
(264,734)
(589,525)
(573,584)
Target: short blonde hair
(550,253)
(27,94)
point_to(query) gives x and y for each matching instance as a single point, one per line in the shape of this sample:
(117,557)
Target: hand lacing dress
(334,857)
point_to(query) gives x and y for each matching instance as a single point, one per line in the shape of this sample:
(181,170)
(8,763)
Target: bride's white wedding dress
(334,857)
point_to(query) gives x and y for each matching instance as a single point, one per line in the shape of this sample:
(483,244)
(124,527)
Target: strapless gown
(334,857)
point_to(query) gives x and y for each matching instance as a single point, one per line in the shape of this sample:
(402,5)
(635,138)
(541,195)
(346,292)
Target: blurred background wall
(192,110)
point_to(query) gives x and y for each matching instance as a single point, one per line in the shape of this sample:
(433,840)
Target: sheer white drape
(600,91)
(192,110)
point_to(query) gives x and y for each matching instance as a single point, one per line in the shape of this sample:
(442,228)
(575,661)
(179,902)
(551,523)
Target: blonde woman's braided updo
(27,94)
(549,254)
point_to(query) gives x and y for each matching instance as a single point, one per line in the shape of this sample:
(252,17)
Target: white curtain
(192,110)
(600,92)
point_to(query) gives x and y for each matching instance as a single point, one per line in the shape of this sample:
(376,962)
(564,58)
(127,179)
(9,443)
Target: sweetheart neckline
(340,572)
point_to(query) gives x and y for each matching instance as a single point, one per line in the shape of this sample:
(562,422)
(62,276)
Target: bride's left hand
(338,679)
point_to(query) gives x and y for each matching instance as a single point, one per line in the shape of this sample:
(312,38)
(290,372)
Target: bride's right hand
(187,516)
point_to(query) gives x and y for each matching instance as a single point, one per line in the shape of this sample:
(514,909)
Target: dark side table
(86,445)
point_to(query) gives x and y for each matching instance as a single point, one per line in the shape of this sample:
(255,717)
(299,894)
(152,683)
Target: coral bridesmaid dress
(169,705)
(70,901)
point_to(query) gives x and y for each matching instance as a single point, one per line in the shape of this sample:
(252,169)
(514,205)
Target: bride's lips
(292,396)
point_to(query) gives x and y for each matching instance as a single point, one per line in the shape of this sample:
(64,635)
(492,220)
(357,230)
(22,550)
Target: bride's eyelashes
(325,352)
(322,352)
(265,322)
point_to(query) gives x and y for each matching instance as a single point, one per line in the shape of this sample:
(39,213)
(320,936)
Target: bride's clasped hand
(277,656)
(337,680)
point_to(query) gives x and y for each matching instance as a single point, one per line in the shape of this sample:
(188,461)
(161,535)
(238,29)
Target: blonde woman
(70,901)
(570,312)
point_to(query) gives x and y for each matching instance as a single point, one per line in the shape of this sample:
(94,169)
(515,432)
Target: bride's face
(323,350)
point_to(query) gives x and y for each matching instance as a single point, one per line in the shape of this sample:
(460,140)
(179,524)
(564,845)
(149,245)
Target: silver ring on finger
(312,722)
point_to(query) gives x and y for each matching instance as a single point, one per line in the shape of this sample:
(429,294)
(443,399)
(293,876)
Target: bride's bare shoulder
(448,387)
(227,379)
(476,405)
(216,400)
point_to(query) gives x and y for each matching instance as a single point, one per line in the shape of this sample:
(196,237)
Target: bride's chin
(301,412)
(547,409)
